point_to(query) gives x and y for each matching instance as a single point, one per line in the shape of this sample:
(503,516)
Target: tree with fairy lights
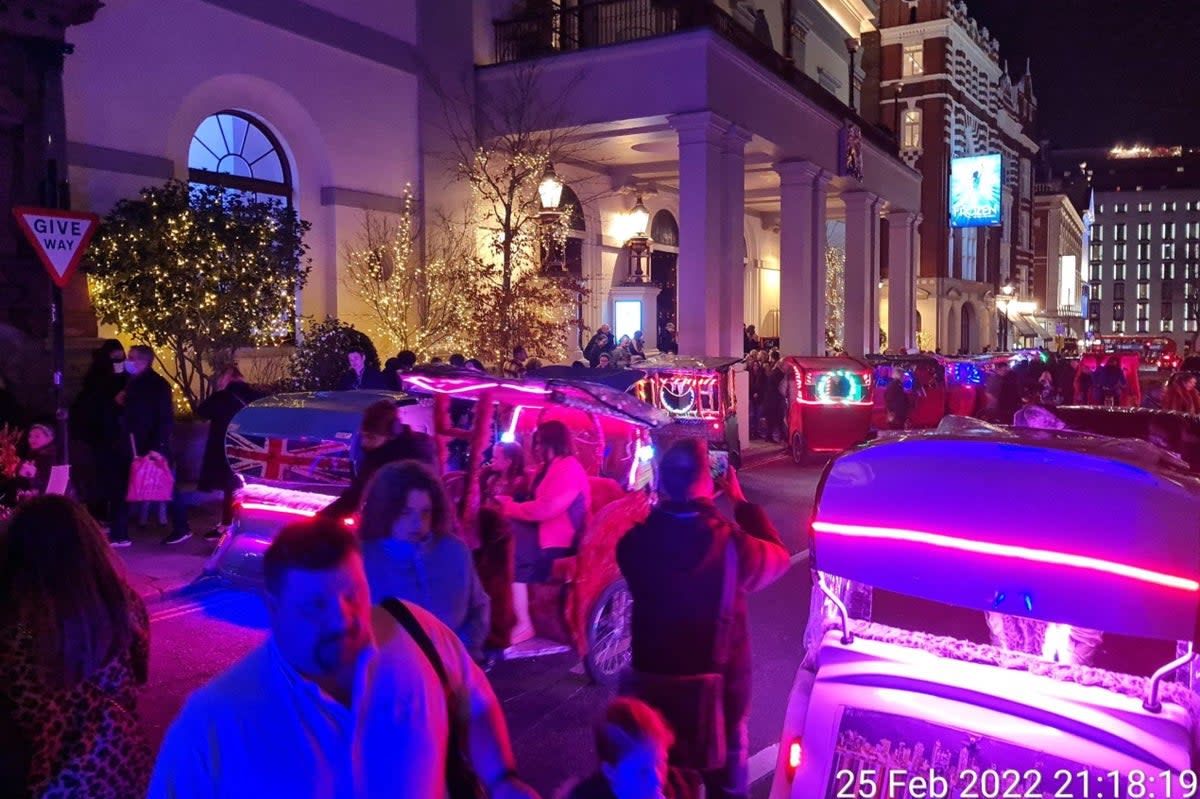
(835,298)
(197,272)
(506,152)
(414,303)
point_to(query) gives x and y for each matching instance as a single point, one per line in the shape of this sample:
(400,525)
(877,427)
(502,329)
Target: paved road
(549,703)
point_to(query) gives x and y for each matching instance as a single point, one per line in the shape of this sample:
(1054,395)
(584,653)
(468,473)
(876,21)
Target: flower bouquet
(10,462)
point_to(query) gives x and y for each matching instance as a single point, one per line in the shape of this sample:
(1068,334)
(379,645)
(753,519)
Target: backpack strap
(401,613)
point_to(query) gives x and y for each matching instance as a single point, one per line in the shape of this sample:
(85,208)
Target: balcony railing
(604,23)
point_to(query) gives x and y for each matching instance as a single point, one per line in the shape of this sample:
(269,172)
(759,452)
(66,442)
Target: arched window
(236,151)
(664,229)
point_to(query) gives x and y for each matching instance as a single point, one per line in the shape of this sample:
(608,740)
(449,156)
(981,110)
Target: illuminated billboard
(975,190)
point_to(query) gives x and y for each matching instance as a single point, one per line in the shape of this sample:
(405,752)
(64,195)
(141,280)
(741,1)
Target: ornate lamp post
(852,45)
(1006,297)
(639,243)
(550,195)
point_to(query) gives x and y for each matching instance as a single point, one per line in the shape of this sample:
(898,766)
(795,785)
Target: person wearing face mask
(95,424)
(342,700)
(147,417)
(411,552)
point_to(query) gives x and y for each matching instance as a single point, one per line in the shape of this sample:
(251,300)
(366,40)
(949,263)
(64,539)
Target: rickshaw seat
(604,491)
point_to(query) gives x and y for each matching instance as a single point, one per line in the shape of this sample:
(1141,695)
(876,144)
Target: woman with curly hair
(74,646)
(411,551)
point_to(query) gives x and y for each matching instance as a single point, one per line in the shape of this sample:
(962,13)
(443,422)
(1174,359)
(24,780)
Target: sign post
(59,238)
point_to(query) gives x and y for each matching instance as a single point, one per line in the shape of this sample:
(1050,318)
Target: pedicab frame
(829,403)
(1126,565)
(587,605)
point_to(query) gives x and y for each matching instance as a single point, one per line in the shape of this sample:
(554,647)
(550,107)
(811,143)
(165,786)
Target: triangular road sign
(60,237)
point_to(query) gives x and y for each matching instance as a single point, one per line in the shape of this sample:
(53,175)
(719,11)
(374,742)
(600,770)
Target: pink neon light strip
(279,509)
(441,387)
(1009,551)
(834,402)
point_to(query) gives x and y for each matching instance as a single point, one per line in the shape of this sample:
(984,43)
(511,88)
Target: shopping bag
(150,478)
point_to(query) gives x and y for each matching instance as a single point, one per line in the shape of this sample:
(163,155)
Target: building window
(1167,311)
(1097,233)
(1120,208)
(1166,325)
(1118,326)
(1168,251)
(1168,207)
(914,60)
(1118,291)
(911,129)
(1143,291)
(1145,208)
(1119,271)
(970,252)
(1097,290)
(1143,231)
(1119,231)
(1094,310)
(1097,271)
(234,150)
(1168,230)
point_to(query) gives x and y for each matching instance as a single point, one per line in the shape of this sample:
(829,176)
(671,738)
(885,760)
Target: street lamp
(1006,297)
(550,195)
(639,242)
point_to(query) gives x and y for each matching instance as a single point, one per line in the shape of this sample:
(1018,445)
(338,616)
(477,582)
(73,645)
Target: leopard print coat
(84,740)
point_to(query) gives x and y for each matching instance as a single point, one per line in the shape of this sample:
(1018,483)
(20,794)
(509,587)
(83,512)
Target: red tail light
(795,756)
(350,522)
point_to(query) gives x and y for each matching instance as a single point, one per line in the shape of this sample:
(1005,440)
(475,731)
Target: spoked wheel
(610,634)
(799,450)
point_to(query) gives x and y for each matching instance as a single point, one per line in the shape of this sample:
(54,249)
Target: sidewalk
(159,571)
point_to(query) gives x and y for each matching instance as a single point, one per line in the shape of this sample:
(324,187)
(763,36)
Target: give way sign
(60,237)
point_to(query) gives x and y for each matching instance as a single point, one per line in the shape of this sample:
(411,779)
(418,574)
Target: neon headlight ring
(823,390)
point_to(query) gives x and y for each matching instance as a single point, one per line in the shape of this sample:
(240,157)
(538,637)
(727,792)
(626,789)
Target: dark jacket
(147,414)
(600,344)
(219,409)
(95,415)
(408,446)
(674,563)
(371,378)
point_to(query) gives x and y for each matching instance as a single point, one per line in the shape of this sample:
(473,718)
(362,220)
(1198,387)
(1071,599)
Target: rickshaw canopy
(688,363)
(619,379)
(328,415)
(815,363)
(535,392)
(1001,538)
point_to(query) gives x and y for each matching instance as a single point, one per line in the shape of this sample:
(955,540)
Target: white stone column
(862,272)
(803,188)
(702,230)
(732,286)
(902,279)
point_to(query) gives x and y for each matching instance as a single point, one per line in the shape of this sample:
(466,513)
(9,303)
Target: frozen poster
(975,190)
(898,757)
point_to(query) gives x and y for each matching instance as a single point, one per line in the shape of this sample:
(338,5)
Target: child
(632,741)
(35,469)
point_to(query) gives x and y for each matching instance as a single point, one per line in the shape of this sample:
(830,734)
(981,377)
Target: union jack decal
(290,460)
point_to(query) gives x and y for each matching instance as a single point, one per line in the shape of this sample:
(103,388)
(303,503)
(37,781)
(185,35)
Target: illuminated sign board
(975,191)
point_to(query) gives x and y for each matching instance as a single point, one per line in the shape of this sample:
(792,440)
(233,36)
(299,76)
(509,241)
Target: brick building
(937,78)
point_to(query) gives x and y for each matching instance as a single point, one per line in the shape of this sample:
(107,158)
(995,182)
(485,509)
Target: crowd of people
(370,683)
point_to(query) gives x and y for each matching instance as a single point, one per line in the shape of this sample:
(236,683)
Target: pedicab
(902,690)
(924,379)
(828,404)
(293,454)
(586,606)
(699,395)
(1091,362)
(964,386)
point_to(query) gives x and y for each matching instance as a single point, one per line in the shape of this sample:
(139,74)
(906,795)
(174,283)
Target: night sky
(1105,71)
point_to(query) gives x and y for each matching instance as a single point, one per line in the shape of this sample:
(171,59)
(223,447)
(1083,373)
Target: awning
(1025,326)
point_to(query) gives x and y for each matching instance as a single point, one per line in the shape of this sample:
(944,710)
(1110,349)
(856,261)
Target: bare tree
(418,304)
(502,147)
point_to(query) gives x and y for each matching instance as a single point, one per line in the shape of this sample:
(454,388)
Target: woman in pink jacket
(553,520)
